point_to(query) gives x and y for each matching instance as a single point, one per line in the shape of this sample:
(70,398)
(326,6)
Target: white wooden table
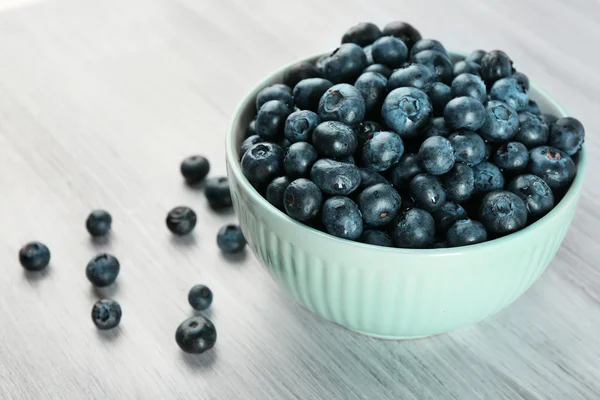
(99,102)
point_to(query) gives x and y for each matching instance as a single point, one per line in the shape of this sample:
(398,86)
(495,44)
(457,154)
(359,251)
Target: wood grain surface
(99,102)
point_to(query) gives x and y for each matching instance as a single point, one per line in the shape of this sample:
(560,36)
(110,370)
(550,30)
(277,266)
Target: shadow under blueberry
(225,211)
(235,257)
(194,186)
(109,335)
(200,361)
(33,277)
(184,241)
(101,240)
(105,292)
(204,313)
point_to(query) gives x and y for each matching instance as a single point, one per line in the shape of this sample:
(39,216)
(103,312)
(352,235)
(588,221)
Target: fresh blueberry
(249,142)
(447,215)
(34,256)
(469,85)
(466,232)
(342,103)
(217,193)
(413,75)
(102,270)
(495,65)
(362,34)
(373,88)
(464,113)
(270,120)
(407,168)
(379,204)
(440,94)
(380,69)
(459,183)
(511,92)
(536,194)
(436,155)
(437,127)
(376,237)
(469,147)
(522,79)
(427,192)
(335,177)
(334,139)
(196,335)
(567,134)
(365,131)
(427,44)
(512,156)
(284,144)
(194,169)
(277,91)
(342,218)
(344,64)
(200,297)
(437,62)
(369,53)
(501,122)
(549,119)
(276,189)
(487,177)
(299,159)
(251,129)
(230,239)
(414,228)
(298,72)
(554,166)
(262,163)
(302,199)
(370,178)
(476,56)
(466,67)
(106,314)
(533,131)
(299,125)
(98,223)
(533,107)
(404,31)
(382,151)
(181,220)
(502,212)
(390,51)
(407,110)
(308,92)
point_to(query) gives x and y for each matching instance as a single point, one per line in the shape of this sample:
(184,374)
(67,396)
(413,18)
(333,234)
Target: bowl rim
(235,169)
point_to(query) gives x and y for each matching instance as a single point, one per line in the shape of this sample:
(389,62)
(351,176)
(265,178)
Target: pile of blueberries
(391,141)
(196,334)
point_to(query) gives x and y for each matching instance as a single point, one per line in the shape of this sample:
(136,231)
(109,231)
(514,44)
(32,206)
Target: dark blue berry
(407,168)
(495,65)
(469,147)
(413,75)
(181,220)
(407,110)
(437,127)
(277,91)
(536,194)
(106,314)
(230,239)
(270,120)
(427,44)
(34,256)
(554,166)
(276,189)
(102,270)
(302,199)
(343,103)
(382,151)
(217,193)
(379,204)
(440,94)
(200,297)
(427,192)
(437,62)
(373,88)
(466,232)
(447,215)
(414,228)
(98,223)
(365,131)
(464,113)
(376,237)
(502,212)
(369,178)
(522,79)
(196,335)
(467,67)
(299,159)
(344,64)
(262,163)
(501,122)
(459,183)
(487,177)
(533,107)
(334,139)
(249,142)
(194,169)
(342,218)
(549,119)
(476,56)
(567,134)
(362,34)
(436,155)
(404,31)
(299,125)
(533,131)
(512,156)
(284,144)
(511,92)
(390,51)
(335,177)
(469,85)
(308,93)
(298,72)
(380,69)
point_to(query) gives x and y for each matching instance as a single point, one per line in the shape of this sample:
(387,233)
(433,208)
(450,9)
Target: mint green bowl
(387,292)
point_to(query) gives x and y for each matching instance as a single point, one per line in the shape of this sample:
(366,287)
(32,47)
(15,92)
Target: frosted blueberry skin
(414,228)
(487,177)
(411,75)
(302,200)
(389,51)
(342,218)
(262,163)
(511,92)
(554,166)
(512,156)
(335,177)
(536,194)
(344,64)
(181,220)
(567,134)
(502,212)
(533,130)
(103,270)
(299,126)
(495,65)
(343,103)
(501,122)
(196,335)
(382,151)
(106,314)
(200,297)
(406,111)
(436,155)
(464,113)
(466,232)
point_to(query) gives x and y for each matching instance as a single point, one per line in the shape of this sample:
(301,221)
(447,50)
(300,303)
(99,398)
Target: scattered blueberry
(511,92)
(437,62)
(467,67)
(344,64)
(181,220)
(533,131)
(436,155)
(299,125)
(335,177)
(298,72)
(414,228)
(382,151)
(440,94)
(299,159)
(278,92)
(536,194)
(230,239)
(404,31)
(217,193)
(276,189)
(427,192)
(270,120)
(495,65)
(247,143)
(34,256)
(466,232)
(362,34)
(501,122)
(459,183)
(194,169)
(476,56)
(512,156)
(196,335)
(447,215)
(308,92)
(407,168)
(437,127)
(262,162)
(302,199)
(98,223)
(413,75)
(380,69)
(343,103)
(342,218)
(554,166)
(379,204)
(469,85)
(502,212)
(334,139)
(464,113)
(390,51)
(373,88)
(376,237)
(370,178)
(106,314)
(469,147)
(102,270)
(407,110)
(567,134)
(200,297)
(487,177)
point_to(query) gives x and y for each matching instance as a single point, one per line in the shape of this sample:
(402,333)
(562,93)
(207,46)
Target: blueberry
(437,62)
(342,103)
(365,131)
(487,177)
(251,129)
(379,204)
(270,120)
(181,220)
(369,53)
(276,189)
(34,256)
(299,125)
(342,218)
(414,228)
(427,192)
(262,163)
(200,297)
(194,169)
(299,159)
(302,199)
(469,147)
(464,113)
(298,72)
(511,92)
(501,122)
(554,166)
(390,51)
(466,232)
(502,212)
(437,127)
(522,79)
(533,107)
(308,92)
(447,215)
(413,75)
(440,94)
(335,177)
(373,88)
(98,223)
(512,156)
(362,34)
(407,110)
(380,69)
(476,56)
(249,142)
(469,85)
(436,155)
(106,314)
(382,151)
(230,239)
(196,335)
(102,270)
(334,139)
(495,65)
(284,144)
(567,134)
(459,183)
(217,193)
(344,64)
(407,168)
(466,67)
(370,178)
(427,44)
(404,31)
(549,119)
(533,131)
(536,194)
(278,92)
(376,237)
